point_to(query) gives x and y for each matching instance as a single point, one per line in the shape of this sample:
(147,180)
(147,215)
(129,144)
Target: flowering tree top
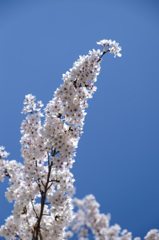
(42,187)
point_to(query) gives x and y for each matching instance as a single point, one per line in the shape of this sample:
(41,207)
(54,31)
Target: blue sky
(118,155)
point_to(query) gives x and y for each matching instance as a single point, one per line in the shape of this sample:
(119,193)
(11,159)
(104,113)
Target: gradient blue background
(118,155)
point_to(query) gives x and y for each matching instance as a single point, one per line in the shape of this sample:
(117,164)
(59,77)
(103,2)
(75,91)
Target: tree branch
(43,199)
(104,52)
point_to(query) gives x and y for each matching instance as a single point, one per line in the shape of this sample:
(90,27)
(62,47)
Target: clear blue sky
(118,155)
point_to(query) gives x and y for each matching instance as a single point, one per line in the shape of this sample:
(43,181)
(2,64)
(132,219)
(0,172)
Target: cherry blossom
(112,46)
(41,187)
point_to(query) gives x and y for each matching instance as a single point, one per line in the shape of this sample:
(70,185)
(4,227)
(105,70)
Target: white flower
(3,154)
(104,43)
(111,46)
(152,235)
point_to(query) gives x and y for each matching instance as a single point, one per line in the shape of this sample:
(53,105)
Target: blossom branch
(43,197)
(46,170)
(104,52)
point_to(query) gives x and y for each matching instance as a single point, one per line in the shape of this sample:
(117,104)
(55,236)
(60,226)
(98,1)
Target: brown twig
(104,52)
(43,199)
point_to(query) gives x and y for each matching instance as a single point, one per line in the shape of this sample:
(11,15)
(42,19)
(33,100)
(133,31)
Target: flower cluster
(152,235)
(42,187)
(112,46)
(48,151)
(88,218)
